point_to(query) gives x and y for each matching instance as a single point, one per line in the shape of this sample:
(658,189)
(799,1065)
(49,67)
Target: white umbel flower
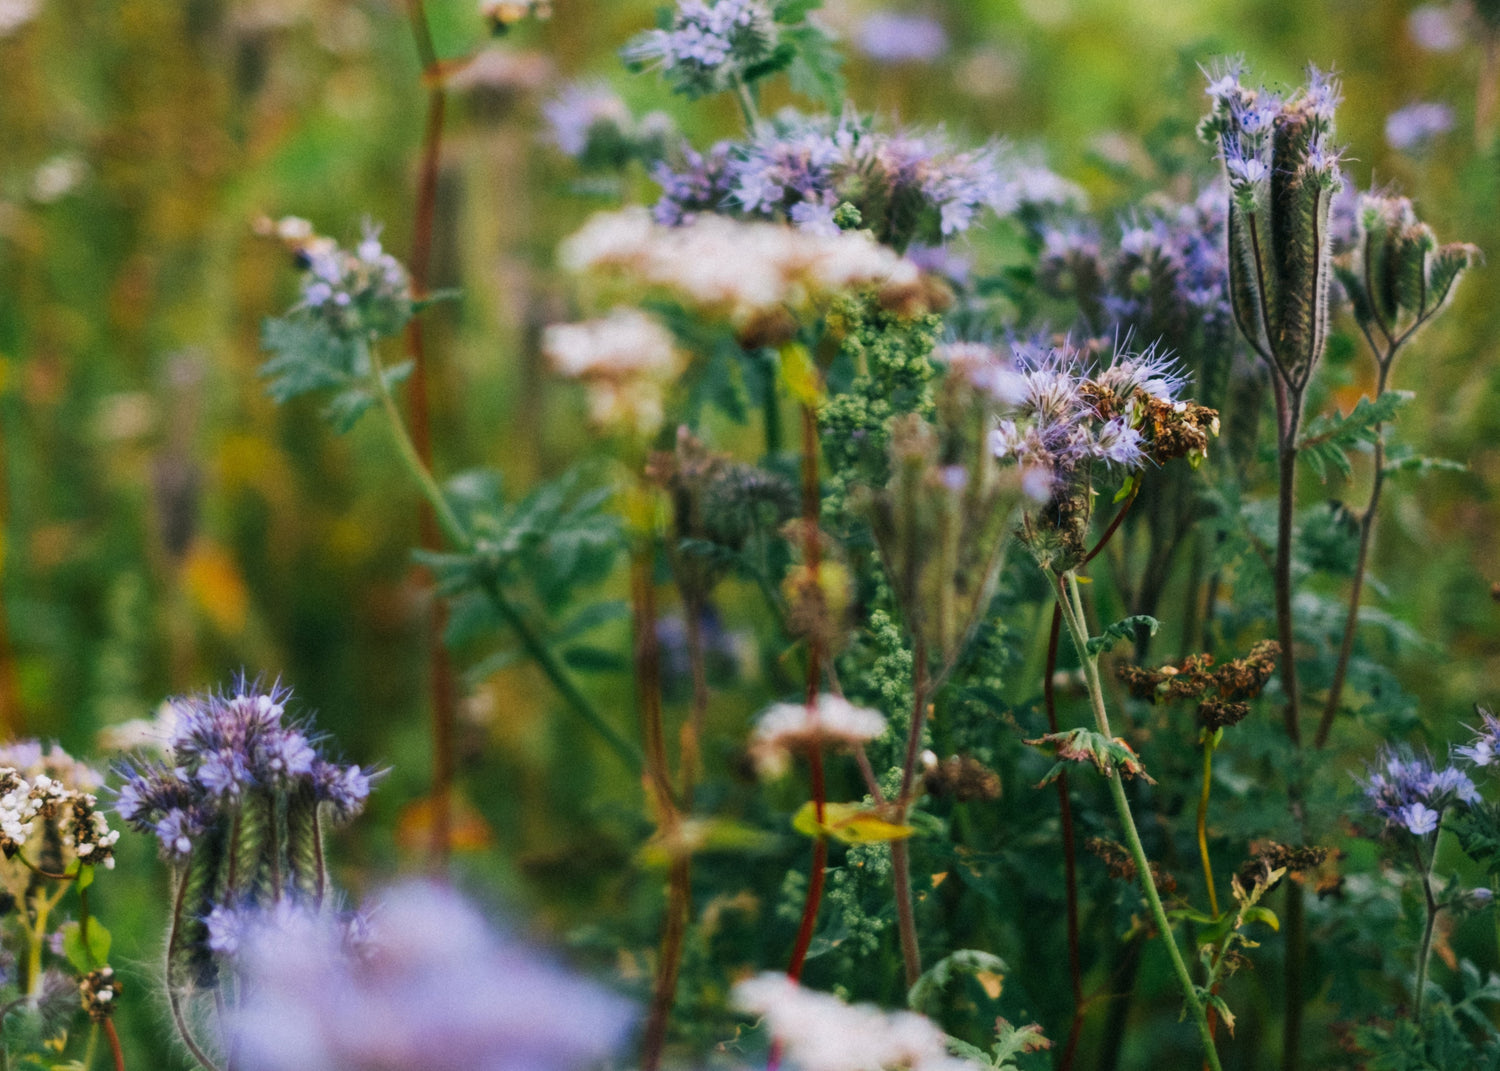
(819,1032)
(790,727)
(627,359)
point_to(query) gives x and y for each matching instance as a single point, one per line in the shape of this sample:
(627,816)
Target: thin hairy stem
(812,553)
(1366,530)
(748,109)
(1286,456)
(1424,953)
(669,962)
(1073,616)
(174,995)
(906,921)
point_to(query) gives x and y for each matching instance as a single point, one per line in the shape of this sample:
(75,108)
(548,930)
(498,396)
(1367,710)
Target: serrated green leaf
(1331,435)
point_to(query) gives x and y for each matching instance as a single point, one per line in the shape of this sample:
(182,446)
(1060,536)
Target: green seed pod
(250,853)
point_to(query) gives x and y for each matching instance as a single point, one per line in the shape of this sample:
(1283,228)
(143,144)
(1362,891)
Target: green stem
(747,104)
(456,534)
(1424,954)
(1208,777)
(1072,606)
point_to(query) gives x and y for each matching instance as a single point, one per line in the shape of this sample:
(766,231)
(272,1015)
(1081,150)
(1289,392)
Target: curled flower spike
(354,293)
(1283,172)
(238,807)
(1396,274)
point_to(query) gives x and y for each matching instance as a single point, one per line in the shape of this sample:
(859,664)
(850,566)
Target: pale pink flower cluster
(732,269)
(790,727)
(819,1032)
(626,358)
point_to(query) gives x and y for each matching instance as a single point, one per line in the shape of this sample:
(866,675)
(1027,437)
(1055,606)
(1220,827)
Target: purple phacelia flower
(1408,792)
(429,984)
(1414,128)
(225,747)
(891,37)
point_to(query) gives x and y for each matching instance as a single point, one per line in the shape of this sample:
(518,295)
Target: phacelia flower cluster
(355,293)
(47,800)
(1066,418)
(424,983)
(226,747)
(1410,793)
(1484,749)
(906,186)
(819,1032)
(711,44)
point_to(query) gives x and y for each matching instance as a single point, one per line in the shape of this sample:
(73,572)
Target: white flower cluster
(53,790)
(731,269)
(627,359)
(788,727)
(819,1032)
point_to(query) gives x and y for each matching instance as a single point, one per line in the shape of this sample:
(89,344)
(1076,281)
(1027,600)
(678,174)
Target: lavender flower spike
(1407,791)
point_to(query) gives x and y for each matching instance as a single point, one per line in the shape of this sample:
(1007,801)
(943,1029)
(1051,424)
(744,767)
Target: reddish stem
(117,1053)
(443,697)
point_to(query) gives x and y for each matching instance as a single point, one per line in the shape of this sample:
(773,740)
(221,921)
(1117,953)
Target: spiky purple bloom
(1414,128)
(893,37)
(224,745)
(429,985)
(1484,748)
(1406,790)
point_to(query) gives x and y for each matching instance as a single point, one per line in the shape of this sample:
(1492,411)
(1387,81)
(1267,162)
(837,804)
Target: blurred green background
(165,525)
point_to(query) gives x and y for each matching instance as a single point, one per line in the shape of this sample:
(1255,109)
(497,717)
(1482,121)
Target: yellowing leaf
(990,982)
(216,587)
(852,823)
(800,374)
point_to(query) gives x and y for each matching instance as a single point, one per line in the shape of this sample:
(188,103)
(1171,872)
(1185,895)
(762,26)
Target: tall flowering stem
(1071,604)
(1283,172)
(1397,278)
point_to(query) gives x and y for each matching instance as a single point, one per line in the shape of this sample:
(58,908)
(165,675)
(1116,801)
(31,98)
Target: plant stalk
(1073,616)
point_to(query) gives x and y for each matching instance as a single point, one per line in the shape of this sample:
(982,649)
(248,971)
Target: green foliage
(309,357)
(1330,436)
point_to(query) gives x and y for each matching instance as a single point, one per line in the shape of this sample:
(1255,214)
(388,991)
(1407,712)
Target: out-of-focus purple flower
(430,985)
(941,260)
(582,111)
(1435,28)
(893,37)
(700,183)
(1407,791)
(1413,128)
